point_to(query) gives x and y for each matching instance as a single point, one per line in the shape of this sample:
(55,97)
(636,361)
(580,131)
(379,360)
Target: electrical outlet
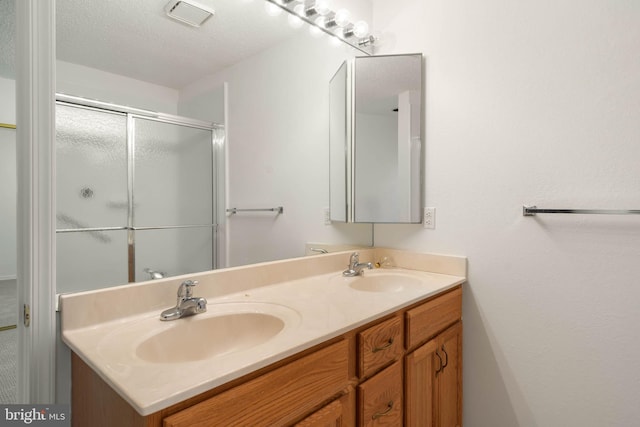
(327,216)
(429,218)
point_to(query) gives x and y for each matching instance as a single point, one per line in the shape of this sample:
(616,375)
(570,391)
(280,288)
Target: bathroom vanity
(384,348)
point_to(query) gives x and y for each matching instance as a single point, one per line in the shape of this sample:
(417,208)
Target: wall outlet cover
(429,218)
(327,216)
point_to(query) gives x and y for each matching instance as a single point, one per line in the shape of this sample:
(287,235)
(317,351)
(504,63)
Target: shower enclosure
(136,194)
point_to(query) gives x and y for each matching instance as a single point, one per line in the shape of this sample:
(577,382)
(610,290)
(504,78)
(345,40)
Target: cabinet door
(433,383)
(420,370)
(339,413)
(449,379)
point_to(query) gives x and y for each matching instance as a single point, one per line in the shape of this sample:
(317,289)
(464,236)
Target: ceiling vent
(189,12)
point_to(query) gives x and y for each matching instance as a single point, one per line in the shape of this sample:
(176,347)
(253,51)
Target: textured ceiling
(136,38)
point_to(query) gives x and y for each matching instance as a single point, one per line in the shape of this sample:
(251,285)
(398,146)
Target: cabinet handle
(384,346)
(439,367)
(383,413)
(446,360)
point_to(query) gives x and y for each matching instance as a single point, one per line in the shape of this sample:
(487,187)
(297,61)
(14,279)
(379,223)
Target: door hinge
(26,315)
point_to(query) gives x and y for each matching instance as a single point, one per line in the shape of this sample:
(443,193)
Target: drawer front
(380,400)
(425,321)
(379,345)
(278,397)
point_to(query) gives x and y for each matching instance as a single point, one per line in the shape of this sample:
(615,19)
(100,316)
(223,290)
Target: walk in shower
(136,194)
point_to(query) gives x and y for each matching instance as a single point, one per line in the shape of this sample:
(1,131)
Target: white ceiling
(136,38)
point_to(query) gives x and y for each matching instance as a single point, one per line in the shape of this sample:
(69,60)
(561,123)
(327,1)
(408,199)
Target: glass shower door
(91,198)
(172,198)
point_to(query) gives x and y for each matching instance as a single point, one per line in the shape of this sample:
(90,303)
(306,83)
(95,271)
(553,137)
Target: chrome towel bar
(278,210)
(533,210)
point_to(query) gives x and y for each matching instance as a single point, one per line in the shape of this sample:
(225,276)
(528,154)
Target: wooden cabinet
(433,386)
(364,377)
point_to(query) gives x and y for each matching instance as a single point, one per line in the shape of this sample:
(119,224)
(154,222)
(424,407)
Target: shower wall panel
(173,182)
(173,251)
(90,260)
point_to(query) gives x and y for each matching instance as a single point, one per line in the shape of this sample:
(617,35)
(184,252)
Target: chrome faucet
(355,266)
(187,304)
(155,274)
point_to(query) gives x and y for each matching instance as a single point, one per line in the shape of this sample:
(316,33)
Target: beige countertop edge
(146,405)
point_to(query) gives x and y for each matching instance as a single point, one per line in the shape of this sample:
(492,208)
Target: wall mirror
(376,140)
(264,78)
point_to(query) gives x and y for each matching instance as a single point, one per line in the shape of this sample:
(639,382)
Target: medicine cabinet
(376,147)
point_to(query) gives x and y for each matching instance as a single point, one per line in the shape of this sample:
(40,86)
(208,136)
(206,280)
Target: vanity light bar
(314,11)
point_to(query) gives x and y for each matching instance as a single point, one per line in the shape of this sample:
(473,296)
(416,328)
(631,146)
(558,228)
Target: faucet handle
(354,259)
(185,290)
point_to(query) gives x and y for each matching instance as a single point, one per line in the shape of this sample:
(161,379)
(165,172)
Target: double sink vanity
(293,342)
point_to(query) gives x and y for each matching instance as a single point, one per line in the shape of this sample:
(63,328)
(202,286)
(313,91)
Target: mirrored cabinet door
(339,144)
(383,148)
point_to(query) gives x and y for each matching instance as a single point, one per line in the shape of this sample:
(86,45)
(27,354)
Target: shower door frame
(217,138)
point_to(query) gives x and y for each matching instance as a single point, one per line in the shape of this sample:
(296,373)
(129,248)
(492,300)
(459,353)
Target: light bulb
(342,17)
(321,22)
(322,7)
(360,29)
(299,10)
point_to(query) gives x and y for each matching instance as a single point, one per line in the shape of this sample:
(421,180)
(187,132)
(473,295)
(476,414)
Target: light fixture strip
(364,44)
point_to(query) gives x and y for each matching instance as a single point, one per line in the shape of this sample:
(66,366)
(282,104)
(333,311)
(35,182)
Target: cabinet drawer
(276,398)
(427,320)
(379,345)
(380,398)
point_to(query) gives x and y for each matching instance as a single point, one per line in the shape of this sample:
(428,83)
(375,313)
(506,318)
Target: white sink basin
(224,330)
(384,281)
(201,338)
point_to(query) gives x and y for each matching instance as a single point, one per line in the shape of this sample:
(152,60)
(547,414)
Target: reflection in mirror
(387,146)
(376,146)
(261,78)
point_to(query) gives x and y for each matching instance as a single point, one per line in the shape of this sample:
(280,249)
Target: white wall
(534,103)
(91,83)
(278,149)
(8,180)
